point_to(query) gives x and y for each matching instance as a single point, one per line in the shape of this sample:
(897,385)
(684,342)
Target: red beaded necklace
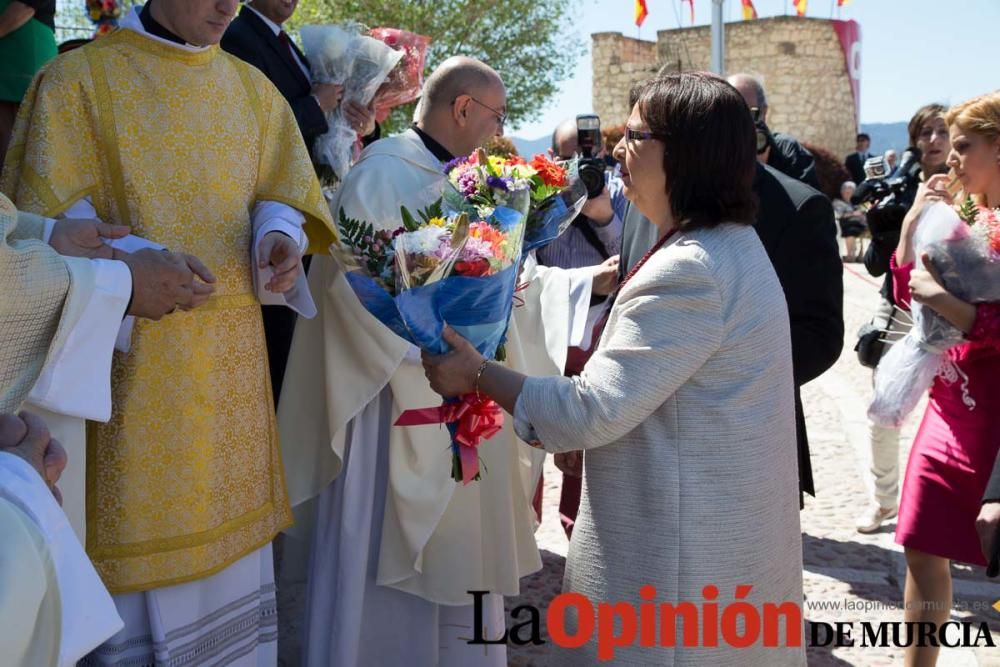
(645,258)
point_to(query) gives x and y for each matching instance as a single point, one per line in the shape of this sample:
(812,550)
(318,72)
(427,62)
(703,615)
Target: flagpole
(718,38)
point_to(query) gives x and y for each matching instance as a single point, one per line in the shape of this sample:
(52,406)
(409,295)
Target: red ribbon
(478,418)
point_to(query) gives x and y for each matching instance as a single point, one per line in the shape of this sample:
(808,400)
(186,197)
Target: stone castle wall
(799,60)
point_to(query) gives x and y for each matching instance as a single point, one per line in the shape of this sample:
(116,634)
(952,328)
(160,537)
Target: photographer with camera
(592,242)
(594,238)
(775,149)
(890,197)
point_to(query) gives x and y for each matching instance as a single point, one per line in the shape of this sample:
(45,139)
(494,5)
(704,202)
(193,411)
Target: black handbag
(875,337)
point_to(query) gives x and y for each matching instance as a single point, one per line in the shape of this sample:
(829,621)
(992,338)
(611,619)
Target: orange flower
(488,234)
(550,173)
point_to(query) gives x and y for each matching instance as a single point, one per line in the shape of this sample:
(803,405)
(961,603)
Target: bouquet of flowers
(104,14)
(557,194)
(407,78)
(436,267)
(345,55)
(964,247)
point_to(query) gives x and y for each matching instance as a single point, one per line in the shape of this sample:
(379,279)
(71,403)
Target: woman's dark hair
(709,152)
(924,114)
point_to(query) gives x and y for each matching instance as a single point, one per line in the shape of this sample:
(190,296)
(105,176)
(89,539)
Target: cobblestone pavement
(842,567)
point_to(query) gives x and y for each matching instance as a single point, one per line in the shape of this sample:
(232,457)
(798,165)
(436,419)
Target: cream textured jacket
(687,418)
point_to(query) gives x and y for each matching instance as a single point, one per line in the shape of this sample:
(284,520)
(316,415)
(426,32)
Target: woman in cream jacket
(685,412)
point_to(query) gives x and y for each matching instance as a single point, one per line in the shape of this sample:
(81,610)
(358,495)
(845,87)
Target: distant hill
(528,147)
(887,135)
(884,136)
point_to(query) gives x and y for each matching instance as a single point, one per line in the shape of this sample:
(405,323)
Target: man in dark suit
(780,151)
(855,162)
(256,37)
(795,223)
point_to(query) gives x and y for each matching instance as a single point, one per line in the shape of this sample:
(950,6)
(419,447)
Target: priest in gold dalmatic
(154,127)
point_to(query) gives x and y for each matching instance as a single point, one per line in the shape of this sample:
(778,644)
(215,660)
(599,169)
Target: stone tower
(800,61)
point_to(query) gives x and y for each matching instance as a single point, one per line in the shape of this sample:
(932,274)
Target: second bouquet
(438,266)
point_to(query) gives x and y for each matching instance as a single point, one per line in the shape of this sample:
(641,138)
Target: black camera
(880,188)
(890,195)
(591,165)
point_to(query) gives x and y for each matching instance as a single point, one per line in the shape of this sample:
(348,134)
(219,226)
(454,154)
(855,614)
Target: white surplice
(53,606)
(436,539)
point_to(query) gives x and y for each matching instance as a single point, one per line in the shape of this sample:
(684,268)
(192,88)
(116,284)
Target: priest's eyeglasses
(501,115)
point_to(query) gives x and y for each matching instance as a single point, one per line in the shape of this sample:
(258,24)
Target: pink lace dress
(958,440)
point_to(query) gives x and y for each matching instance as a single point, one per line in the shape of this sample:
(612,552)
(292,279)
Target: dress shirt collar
(275,28)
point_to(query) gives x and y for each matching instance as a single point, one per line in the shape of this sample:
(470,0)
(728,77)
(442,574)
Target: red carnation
(480,267)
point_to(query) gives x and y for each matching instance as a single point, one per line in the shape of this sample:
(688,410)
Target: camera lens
(591,171)
(761,141)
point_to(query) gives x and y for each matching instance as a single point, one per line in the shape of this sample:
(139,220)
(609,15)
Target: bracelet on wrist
(479,375)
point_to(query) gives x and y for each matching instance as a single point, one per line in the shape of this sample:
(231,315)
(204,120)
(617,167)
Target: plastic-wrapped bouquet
(344,54)
(436,267)
(964,247)
(104,14)
(404,82)
(557,194)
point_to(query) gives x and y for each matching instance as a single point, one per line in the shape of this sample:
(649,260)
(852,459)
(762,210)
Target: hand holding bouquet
(343,54)
(964,248)
(444,266)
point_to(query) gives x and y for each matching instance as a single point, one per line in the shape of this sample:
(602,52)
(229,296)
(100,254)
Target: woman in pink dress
(954,450)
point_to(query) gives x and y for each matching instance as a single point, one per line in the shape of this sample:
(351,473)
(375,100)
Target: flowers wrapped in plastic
(441,267)
(104,14)
(344,54)
(557,194)
(964,247)
(404,82)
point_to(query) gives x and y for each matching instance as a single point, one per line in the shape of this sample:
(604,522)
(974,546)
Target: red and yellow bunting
(800,7)
(749,11)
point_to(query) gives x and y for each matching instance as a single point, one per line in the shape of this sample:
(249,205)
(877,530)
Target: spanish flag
(841,3)
(640,12)
(800,7)
(749,11)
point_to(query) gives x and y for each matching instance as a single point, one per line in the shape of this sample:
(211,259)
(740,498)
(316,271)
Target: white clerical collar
(275,28)
(134,23)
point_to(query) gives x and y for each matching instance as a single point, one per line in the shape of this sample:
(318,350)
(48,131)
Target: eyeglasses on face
(501,115)
(638,135)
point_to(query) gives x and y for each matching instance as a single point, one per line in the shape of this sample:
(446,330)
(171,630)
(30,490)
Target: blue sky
(913,51)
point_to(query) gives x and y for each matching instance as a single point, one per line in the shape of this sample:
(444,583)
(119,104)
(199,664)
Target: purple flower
(468,183)
(498,183)
(475,249)
(454,163)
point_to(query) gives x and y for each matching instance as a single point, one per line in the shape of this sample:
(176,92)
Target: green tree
(531,43)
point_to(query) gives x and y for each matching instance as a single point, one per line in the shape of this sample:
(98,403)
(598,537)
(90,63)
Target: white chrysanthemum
(423,241)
